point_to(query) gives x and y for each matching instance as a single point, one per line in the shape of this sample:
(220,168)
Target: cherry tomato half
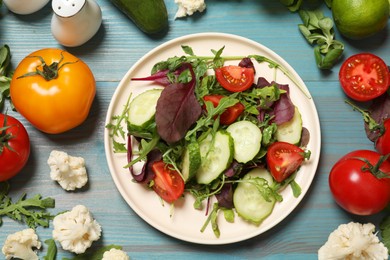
(382,144)
(364,77)
(283,159)
(230,114)
(59,97)
(14,147)
(168,183)
(356,190)
(235,78)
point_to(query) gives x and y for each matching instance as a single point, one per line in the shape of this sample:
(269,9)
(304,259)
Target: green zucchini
(151,16)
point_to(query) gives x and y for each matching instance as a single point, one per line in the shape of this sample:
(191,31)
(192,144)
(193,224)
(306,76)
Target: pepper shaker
(25,6)
(74,22)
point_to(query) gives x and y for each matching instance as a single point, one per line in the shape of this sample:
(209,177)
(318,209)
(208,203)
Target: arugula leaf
(51,250)
(31,211)
(206,120)
(384,226)
(5,74)
(96,255)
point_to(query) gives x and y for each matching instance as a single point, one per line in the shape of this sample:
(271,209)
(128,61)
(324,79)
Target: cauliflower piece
(353,241)
(189,7)
(20,245)
(115,254)
(67,170)
(76,229)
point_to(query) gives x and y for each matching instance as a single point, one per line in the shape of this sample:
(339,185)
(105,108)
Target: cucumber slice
(143,108)
(247,140)
(290,131)
(191,161)
(216,155)
(248,201)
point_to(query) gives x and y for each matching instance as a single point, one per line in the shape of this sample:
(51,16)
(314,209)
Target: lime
(357,19)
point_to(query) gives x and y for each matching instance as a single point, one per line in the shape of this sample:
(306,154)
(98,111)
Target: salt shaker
(74,22)
(25,6)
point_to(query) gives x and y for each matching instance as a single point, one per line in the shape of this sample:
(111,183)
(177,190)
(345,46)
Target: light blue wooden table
(116,47)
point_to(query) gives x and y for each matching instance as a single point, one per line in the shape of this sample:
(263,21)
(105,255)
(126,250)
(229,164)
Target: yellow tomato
(53,90)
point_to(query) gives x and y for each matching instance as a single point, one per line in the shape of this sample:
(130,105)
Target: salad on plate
(214,128)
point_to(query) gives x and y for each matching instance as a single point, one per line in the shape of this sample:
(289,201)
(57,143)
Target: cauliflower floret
(115,254)
(20,245)
(76,229)
(67,170)
(353,241)
(189,7)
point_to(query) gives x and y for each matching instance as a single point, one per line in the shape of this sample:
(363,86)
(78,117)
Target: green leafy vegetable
(292,5)
(318,30)
(31,211)
(51,250)
(5,74)
(385,231)
(95,255)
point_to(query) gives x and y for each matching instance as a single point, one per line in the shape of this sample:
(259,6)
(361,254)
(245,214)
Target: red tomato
(382,144)
(284,159)
(231,113)
(364,77)
(235,78)
(14,147)
(168,183)
(356,190)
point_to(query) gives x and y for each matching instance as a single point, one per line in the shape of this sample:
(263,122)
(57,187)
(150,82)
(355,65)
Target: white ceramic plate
(186,222)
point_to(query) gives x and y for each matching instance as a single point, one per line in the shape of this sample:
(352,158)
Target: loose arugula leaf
(5,74)
(96,255)
(374,129)
(31,211)
(384,226)
(51,250)
(318,30)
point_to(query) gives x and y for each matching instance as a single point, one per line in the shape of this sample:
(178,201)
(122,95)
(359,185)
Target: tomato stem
(48,72)
(375,169)
(5,137)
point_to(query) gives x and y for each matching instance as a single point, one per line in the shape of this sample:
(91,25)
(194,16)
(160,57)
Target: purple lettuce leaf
(247,63)
(379,111)
(283,109)
(159,77)
(225,197)
(177,109)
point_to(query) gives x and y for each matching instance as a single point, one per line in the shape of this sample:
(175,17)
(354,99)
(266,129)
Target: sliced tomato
(364,77)
(235,78)
(284,159)
(230,114)
(168,183)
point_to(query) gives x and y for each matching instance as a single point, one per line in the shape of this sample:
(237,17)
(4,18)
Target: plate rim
(108,148)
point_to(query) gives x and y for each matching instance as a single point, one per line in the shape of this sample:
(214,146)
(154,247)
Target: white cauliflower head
(353,241)
(21,245)
(76,229)
(189,7)
(68,171)
(115,254)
